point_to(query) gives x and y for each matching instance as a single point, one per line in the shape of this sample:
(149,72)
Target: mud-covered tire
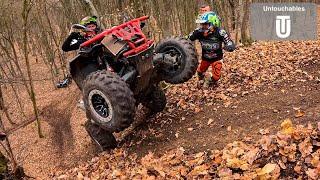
(102,138)
(157,100)
(108,101)
(186,65)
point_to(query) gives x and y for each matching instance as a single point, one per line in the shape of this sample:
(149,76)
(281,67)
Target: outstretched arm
(196,34)
(228,43)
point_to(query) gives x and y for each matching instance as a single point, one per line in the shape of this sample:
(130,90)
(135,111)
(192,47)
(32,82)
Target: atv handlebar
(79,26)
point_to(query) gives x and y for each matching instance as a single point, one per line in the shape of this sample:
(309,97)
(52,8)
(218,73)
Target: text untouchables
(283,8)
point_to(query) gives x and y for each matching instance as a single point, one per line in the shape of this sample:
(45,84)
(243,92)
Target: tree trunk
(245,39)
(94,12)
(25,14)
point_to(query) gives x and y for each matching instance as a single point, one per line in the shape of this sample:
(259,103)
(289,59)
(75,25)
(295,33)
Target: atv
(121,68)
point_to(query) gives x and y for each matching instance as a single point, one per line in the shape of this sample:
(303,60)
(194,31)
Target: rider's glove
(198,32)
(229,47)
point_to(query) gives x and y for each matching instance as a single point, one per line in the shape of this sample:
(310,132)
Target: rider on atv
(211,36)
(77,37)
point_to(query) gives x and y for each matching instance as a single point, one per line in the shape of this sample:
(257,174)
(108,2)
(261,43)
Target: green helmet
(89,20)
(209,17)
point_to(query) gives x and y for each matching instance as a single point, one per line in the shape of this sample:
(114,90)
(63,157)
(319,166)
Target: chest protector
(211,46)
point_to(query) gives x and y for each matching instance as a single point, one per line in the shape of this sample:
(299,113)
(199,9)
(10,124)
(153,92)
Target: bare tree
(27,5)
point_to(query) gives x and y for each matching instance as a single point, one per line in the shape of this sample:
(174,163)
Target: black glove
(74,35)
(198,32)
(230,47)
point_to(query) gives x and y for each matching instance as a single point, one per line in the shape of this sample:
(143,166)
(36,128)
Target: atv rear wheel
(180,54)
(102,138)
(108,101)
(156,101)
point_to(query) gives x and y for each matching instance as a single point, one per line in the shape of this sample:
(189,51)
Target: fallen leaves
(269,171)
(299,113)
(197,109)
(264,131)
(312,173)
(305,147)
(176,135)
(200,170)
(289,154)
(246,70)
(286,127)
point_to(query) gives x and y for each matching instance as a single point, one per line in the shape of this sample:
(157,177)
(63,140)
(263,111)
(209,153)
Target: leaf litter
(290,153)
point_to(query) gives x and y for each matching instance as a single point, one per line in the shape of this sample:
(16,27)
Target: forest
(32,62)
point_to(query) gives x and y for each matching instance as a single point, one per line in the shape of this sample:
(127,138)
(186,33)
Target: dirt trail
(218,125)
(65,144)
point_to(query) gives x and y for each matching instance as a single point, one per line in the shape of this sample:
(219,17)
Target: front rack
(129,32)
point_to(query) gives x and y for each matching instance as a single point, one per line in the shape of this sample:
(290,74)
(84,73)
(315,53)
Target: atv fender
(74,63)
(80,67)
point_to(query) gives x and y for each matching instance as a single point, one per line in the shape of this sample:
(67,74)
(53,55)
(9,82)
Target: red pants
(216,68)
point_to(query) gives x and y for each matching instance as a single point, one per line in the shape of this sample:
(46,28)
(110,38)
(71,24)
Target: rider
(76,38)
(211,36)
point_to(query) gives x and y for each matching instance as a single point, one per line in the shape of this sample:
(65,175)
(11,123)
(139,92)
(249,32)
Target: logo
(283,21)
(222,32)
(283,26)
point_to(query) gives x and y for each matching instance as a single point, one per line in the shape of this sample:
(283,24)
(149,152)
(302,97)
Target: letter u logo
(283,26)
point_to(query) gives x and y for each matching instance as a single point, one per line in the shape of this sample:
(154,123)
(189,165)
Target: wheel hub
(100,105)
(174,55)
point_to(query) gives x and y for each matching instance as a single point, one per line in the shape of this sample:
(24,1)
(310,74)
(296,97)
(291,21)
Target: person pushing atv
(211,36)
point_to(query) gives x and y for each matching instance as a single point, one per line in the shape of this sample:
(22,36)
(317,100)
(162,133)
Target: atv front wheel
(108,101)
(102,138)
(179,57)
(156,101)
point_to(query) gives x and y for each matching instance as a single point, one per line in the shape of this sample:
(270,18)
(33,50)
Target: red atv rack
(126,31)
